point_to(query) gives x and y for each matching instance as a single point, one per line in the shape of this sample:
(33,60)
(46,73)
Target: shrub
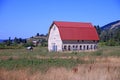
(2,46)
(13,46)
(97,53)
(28,44)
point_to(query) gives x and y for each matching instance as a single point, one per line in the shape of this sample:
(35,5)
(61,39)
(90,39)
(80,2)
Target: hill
(1,40)
(112,25)
(110,33)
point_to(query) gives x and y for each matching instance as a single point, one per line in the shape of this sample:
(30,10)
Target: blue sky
(25,18)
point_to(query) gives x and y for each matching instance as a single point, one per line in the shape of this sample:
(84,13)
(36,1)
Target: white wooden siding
(54,38)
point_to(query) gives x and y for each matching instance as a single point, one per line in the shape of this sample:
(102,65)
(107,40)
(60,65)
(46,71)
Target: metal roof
(76,30)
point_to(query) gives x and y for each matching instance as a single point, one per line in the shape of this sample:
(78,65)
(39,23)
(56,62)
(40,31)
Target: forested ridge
(110,33)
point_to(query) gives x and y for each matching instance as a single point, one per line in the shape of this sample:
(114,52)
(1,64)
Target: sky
(26,18)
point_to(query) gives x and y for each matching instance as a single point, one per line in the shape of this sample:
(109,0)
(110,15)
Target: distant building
(72,36)
(37,40)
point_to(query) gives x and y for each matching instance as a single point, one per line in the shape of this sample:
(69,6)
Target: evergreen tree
(9,42)
(16,40)
(37,34)
(98,29)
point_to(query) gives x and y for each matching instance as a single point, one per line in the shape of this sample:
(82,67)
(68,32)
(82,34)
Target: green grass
(38,64)
(22,58)
(108,51)
(42,51)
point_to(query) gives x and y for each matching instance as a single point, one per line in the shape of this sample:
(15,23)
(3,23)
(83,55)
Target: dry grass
(103,64)
(96,71)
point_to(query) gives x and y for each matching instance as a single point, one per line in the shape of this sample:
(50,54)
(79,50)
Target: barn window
(69,47)
(95,46)
(73,46)
(65,47)
(80,47)
(87,47)
(76,46)
(93,40)
(91,46)
(82,40)
(84,47)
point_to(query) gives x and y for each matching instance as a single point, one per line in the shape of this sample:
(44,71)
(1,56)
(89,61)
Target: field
(39,64)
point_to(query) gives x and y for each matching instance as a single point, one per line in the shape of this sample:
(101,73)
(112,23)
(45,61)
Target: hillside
(1,41)
(110,33)
(112,25)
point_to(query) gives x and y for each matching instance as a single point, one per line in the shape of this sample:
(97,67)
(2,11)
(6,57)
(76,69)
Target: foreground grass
(39,64)
(41,59)
(101,71)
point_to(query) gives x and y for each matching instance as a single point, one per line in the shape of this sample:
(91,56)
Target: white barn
(72,36)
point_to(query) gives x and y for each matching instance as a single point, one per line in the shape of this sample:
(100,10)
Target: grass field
(39,64)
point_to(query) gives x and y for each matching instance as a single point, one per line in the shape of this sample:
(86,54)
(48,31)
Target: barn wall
(80,47)
(54,39)
(79,41)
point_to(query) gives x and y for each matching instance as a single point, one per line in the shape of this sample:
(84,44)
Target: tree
(111,37)
(111,42)
(46,35)
(9,42)
(24,41)
(16,40)
(37,34)
(43,42)
(42,35)
(98,29)
(19,40)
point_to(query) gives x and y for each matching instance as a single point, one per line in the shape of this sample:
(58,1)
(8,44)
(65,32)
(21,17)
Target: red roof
(76,31)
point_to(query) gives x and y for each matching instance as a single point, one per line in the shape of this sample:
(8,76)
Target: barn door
(54,47)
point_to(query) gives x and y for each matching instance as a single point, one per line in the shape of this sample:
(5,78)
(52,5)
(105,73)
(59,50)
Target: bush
(13,46)
(97,53)
(2,46)
(44,44)
(28,44)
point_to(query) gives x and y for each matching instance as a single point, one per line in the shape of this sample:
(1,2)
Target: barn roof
(76,31)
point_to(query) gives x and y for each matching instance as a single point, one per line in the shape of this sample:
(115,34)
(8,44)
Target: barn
(72,36)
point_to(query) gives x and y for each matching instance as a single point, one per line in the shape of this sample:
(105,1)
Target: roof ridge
(71,22)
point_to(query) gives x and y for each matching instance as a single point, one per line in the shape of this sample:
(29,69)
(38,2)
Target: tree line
(20,42)
(109,37)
